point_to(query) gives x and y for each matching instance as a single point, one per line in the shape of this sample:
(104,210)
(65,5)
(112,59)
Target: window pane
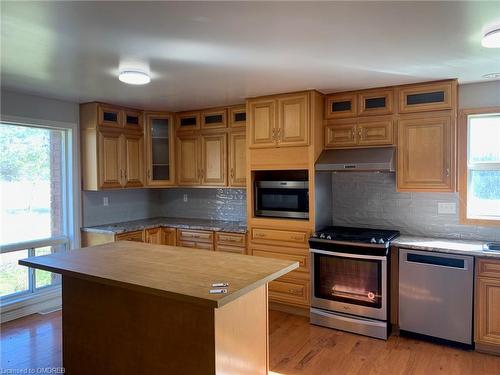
(13,277)
(484,194)
(31,182)
(484,138)
(46,278)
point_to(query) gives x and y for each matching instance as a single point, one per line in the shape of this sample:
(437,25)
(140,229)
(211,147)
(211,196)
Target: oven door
(349,283)
(288,199)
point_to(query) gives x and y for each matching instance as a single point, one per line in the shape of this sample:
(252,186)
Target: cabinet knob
(447,172)
(149,173)
(232,173)
(274,134)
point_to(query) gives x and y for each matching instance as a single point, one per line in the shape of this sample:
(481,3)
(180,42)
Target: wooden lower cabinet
(230,242)
(160,236)
(200,239)
(137,236)
(291,291)
(487,306)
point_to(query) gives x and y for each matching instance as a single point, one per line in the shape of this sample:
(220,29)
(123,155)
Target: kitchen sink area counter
(169,222)
(446,245)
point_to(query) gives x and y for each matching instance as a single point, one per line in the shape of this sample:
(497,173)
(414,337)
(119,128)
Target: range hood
(378,159)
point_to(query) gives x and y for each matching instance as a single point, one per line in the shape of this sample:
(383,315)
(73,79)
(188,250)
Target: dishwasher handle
(436,260)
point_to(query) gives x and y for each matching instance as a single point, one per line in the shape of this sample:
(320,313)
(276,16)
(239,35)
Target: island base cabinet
(124,331)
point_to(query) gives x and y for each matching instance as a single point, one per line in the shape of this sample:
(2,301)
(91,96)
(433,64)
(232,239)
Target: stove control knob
(381,240)
(328,237)
(322,235)
(315,235)
(373,240)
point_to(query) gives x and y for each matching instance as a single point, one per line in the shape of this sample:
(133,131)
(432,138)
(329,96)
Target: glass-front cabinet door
(160,149)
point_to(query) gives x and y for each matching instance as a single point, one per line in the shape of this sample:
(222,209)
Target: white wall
(481,94)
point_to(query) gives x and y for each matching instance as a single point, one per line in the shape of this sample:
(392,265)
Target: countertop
(174,272)
(172,222)
(444,245)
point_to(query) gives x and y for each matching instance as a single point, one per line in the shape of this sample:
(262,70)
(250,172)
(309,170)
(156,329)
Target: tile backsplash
(371,200)
(215,204)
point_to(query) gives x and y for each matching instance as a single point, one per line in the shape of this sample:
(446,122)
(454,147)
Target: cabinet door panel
(168,236)
(109,116)
(214,119)
(487,311)
(238,116)
(133,120)
(289,290)
(375,102)
(425,154)
(262,120)
(153,236)
(214,156)
(340,135)
(160,150)
(136,236)
(110,156)
(187,121)
(237,159)
(379,132)
(426,97)
(293,121)
(188,171)
(133,173)
(340,105)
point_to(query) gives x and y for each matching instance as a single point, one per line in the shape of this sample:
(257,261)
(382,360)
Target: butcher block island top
(180,273)
(136,308)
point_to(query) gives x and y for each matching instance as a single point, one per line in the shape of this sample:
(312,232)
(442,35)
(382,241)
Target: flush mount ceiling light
(134,77)
(492,75)
(491,39)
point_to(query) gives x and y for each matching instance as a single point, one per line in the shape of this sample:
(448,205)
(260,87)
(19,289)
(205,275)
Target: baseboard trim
(488,348)
(38,303)
(303,311)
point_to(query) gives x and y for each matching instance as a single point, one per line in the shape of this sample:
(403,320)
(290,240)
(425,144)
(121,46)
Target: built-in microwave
(285,199)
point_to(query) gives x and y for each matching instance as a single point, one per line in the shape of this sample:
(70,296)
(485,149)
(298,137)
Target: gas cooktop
(360,236)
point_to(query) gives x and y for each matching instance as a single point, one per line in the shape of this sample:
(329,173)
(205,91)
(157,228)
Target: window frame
(463,175)
(71,199)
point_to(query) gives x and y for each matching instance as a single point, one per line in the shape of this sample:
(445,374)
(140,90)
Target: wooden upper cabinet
(426,153)
(214,118)
(237,159)
(293,120)
(108,115)
(262,123)
(213,159)
(427,97)
(133,169)
(133,120)
(375,131)
(237,116)
(110,171)
(375,102)
(341,105)
(188,164)
(160,166)
(187,120)
(340,134)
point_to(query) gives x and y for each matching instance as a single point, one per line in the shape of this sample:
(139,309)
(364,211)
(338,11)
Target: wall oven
(285,199)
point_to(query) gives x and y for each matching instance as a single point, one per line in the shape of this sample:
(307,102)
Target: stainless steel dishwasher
(436,294)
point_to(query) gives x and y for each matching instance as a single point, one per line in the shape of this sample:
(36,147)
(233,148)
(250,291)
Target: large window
(34,215)
(480,169)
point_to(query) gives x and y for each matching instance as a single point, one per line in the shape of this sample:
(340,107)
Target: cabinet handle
(121,173)
(149,173)
(232,172)
(353,133)
(297,237)
(274,134)
(293,291)
(278,135)
(447,172)
(259,235)
(125,174)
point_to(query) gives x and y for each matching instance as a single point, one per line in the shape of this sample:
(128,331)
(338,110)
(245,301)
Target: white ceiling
(204,54)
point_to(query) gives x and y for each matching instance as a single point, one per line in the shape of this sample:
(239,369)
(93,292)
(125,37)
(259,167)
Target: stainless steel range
(350,279)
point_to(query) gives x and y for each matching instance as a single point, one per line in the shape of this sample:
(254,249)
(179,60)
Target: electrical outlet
(105,201)
(447,208)
(185,198)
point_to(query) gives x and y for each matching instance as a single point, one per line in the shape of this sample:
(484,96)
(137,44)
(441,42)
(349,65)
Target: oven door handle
(348,255)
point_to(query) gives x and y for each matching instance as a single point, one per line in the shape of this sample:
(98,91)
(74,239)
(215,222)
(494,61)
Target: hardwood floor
(296,347)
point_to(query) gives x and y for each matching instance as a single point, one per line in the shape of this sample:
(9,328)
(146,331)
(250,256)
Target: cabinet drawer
(488,268)
(297,237)
(290,291)
(194,235)
(137,236)
(427,97)
(230,249)
(296,255)
(204,245)
(231,239)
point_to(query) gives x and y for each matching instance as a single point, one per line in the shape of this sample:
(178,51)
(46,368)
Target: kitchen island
(133,308)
